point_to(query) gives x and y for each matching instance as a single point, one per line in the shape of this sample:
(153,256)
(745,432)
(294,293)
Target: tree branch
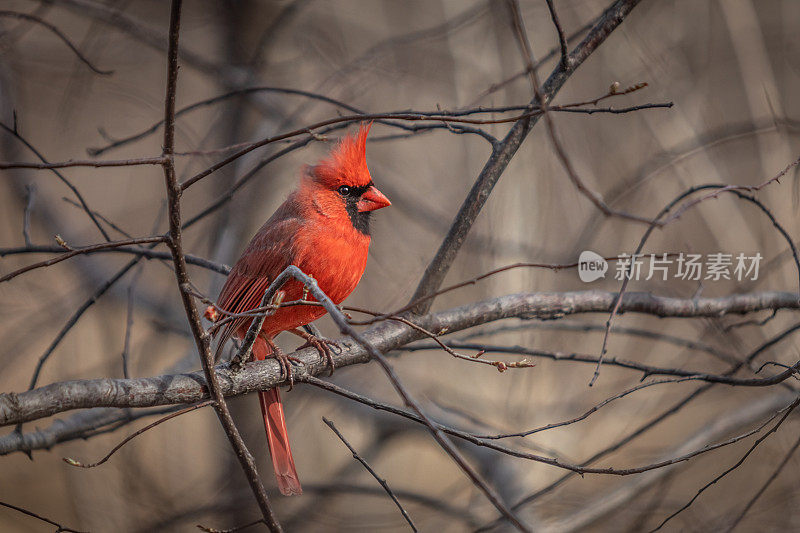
(190,388)
(143,252)
(58,33)
(175,245)
(437,269)
(372,472)
(58,526)
(84,163)
(72,252)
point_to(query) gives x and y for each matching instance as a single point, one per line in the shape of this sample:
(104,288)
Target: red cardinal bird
(322,228)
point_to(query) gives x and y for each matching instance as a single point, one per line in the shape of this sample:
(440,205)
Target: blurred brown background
(732,68)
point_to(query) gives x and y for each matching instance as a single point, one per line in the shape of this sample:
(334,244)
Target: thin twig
(42,518)
(646,370)
(100,291)
(372,472)
(577,181)
(578,469)
(233,529)
(766,485)
(146,253)
(586,327)
(732,468)
(245,148)
(81,251)
(562,40)
(501,366)
(666,209)
(752,322)
(14,131)
(84,163)
(584,416)
(129,438)
(569,108)
(58,33)
(82,425)
(774,363)
(729,188)
(658,419)
(553,52)
(215,100)
(446,117)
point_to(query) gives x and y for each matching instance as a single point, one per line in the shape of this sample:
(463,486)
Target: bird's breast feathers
(335,257)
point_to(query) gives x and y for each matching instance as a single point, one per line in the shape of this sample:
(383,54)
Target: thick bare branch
(190,388)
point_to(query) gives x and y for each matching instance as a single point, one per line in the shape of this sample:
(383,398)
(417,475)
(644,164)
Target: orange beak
(371,200)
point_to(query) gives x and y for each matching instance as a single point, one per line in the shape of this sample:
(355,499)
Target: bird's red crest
(347,162)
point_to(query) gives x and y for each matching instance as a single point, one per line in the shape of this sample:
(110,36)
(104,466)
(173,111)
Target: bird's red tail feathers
(277,435)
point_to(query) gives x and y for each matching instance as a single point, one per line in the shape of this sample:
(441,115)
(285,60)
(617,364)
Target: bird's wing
(267,255)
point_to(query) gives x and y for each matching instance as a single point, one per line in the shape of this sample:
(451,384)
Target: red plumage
(322,228)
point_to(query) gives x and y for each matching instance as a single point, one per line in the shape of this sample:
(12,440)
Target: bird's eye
(344,190)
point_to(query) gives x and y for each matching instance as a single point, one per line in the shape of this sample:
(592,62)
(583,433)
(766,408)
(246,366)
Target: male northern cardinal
(322,228)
